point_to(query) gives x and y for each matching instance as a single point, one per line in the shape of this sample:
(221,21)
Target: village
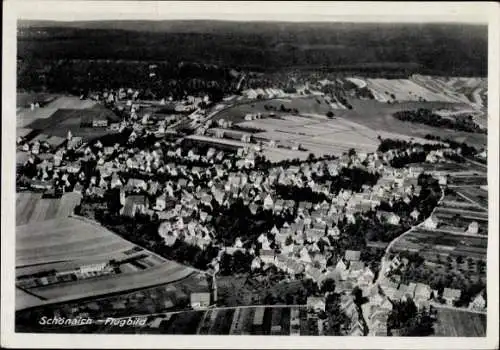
(145,169)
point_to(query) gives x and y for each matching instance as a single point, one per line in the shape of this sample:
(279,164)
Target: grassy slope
(378,116)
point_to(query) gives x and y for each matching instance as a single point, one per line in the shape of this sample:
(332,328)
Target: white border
(478,12)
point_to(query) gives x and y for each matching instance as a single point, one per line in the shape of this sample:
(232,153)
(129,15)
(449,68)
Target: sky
(250,11)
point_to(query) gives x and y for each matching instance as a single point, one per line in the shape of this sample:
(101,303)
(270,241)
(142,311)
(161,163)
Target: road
(384,261)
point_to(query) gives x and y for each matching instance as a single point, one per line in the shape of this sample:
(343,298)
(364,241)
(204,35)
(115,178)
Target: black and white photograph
(278,171)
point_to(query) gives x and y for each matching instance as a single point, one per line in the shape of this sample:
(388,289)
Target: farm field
(24,99)
(64,243)
(184,323)
(64,119)
(463,213)
(472,90)
(318,135)
(378,117)
(222,322)
(475,195)
(359,128)
(477,180)
(457,223)
(452,167)
(454,323)
(404,90)
(242,321)
(26,116)
(435,242)
(455,202)
(32,208)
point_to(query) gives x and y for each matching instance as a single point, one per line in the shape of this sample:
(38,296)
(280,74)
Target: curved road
(385,261)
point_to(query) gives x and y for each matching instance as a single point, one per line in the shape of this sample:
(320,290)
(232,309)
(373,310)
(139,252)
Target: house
(389,288)
(473,228)
(200,300)
(388,217)
(268,202)
(422,292)
(136,184)
(415,214)
(316,304)
(78,188)
(74,142)
(478,303)
(366,277)
(451,295)
(41,185)
(334,232)
(431,223)
(267,256)
(161,203)
(256,263)
(133,205)
(356,269)
(341,267)
(304,256)
(395,264)
(73,167)
(348,306)
(313,273)
(352,255)
(278,206)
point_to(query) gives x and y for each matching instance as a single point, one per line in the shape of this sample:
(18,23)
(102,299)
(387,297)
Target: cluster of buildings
(421,293)
(79,273)
(263,93)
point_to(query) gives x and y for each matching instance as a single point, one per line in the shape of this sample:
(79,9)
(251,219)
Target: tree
(330,114)
(328,285)
(338,321)
(410,321)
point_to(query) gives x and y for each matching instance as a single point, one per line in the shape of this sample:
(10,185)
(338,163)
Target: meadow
(379,117)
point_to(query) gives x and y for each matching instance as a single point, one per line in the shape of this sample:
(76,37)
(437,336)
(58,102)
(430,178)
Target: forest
(427,117)
(59,55)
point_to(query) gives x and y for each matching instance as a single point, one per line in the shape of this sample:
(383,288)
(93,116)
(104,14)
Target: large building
(97,117)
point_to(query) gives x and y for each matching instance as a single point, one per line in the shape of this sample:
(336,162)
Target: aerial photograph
(226,177)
